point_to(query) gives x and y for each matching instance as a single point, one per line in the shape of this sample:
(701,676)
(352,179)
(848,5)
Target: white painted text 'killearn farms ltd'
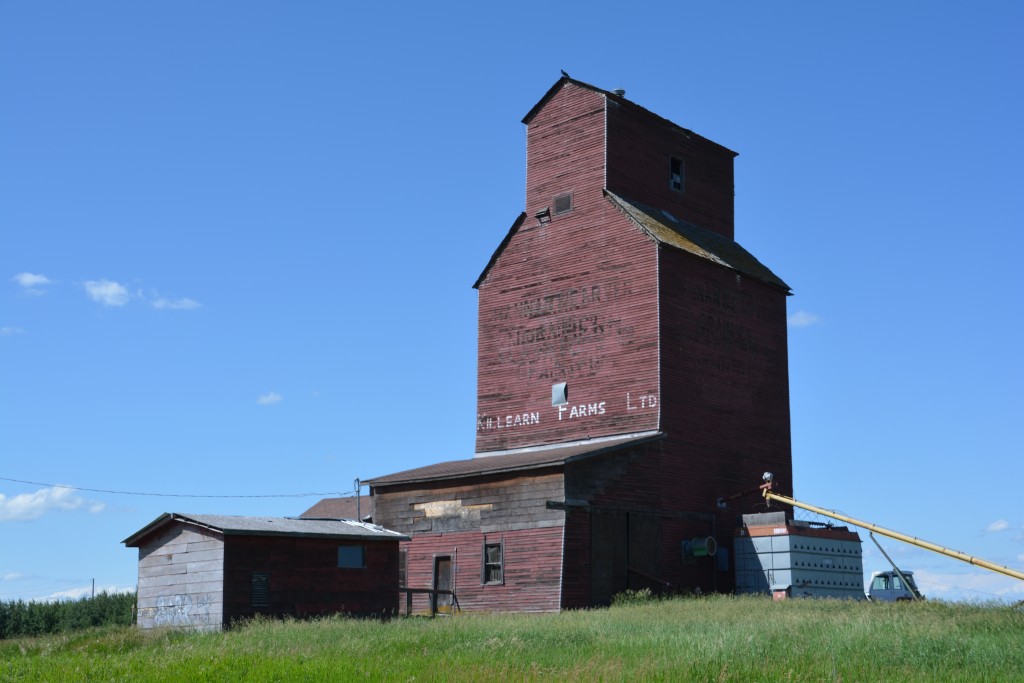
(642,401)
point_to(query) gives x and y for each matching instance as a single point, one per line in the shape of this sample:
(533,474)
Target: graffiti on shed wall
(180,610)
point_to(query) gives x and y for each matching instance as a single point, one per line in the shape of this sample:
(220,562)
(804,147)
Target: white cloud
(27,506)
(998,525)
(971,586)
(31,280)
(177,304)
(10,331)
(82,592)
(107,292)
(32,283)
(803,319)
(12,576)
(269,398)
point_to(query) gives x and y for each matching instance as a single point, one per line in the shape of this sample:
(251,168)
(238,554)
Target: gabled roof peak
(558,86)
(619,97)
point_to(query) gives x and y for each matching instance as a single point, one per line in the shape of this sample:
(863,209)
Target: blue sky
(237,244)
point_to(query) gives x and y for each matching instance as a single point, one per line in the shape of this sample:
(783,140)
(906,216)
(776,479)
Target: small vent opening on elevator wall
(563,203)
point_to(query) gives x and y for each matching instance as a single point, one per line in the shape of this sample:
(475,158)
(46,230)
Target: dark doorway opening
(624,553)
(440,603)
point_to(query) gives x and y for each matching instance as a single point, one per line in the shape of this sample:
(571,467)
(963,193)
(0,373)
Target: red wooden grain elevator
(632,368)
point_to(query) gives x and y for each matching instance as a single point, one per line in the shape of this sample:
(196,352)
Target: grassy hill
(718,638)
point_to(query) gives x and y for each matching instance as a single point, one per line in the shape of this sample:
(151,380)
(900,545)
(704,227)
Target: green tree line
(19,618)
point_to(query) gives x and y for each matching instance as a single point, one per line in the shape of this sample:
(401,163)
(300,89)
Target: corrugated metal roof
(665,228)
(496,462)
(232,525)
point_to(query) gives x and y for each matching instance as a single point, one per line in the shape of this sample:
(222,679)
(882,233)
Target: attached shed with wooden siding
(542,529)
(205,571)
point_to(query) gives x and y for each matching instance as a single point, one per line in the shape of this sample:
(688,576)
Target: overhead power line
(173,495)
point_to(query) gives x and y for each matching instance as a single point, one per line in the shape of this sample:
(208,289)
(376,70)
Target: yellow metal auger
(769,496)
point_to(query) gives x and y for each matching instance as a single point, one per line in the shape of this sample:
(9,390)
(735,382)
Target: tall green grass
(718,638)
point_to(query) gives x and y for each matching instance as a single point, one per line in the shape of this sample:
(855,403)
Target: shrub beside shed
(205,571)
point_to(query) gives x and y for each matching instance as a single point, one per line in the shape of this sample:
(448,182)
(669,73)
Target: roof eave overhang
(555,462)
(169,517)
(132,541)
(339,537)
(657,436)
(467,475)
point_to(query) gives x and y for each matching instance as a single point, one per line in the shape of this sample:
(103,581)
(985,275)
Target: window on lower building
(403,562)
(260,589)
(351,556)
(676,174)
(493,570)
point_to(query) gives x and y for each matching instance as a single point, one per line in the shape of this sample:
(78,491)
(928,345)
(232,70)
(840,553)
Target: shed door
(442,581)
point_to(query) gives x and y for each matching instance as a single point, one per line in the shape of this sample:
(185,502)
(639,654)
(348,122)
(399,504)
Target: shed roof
(534,457)
(665,228)
(233,525)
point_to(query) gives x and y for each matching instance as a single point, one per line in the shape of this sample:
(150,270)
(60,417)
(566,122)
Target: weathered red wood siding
(724,354)
(655,514)
(565,150)
(532,569)
(572,301)
(640,146)
(503,502)
(455,518)
(305,579)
